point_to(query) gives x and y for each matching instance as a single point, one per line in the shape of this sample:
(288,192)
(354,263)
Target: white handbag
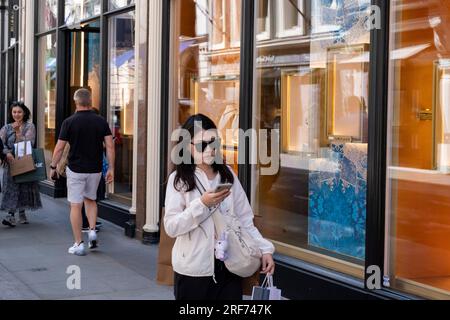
(244,255)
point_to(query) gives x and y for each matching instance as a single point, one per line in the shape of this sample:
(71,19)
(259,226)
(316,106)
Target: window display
(315,93)
(121,80)
(207,66)
(418,190)
(46,98)
(347,93)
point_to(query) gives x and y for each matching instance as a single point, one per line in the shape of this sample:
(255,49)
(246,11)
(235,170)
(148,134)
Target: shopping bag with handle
(40,171)
(267,291)
(23,161)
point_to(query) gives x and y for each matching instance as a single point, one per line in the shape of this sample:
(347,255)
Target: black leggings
(228,286)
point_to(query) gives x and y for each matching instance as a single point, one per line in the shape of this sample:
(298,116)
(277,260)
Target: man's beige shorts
(81,186)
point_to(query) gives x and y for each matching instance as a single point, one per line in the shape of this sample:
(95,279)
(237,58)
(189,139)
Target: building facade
(349,97)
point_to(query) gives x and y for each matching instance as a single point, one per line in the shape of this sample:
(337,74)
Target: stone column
(151,227)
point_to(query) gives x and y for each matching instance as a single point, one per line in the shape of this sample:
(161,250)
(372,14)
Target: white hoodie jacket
(189,221)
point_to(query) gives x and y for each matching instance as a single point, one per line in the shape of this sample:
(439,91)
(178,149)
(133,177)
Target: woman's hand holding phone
(212,198)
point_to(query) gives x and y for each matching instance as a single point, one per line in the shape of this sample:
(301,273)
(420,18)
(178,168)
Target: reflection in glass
(419,149)
(77,10)
(315,94)
(263,20)
(289,17)
(207,65)
(116,4)
(121,102)
(47,15)
(21,57)
(85,63)
(46,103)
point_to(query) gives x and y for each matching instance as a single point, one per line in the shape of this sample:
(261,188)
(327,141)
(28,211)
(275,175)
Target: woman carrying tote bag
(199,274)
(17,196)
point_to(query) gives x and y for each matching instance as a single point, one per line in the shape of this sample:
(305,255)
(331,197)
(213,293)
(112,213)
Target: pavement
(34,262)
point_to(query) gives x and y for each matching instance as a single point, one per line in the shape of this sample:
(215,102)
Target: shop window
(121,86)
(206,65)
(46,97)
(77,10)
(313,96)
(48,13)
(418,191)
(116,4)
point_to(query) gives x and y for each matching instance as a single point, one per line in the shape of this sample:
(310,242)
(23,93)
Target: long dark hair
(26,111)
(185,177)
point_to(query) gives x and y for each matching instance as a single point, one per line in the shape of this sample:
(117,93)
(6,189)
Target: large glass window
(46,103)
(419,148)
(48,15)
(121,101)
(311,97)
(206,65)
(77,10)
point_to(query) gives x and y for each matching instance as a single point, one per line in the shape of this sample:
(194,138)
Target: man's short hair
(83,97)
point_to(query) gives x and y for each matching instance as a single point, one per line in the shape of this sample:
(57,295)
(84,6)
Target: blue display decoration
(337,201)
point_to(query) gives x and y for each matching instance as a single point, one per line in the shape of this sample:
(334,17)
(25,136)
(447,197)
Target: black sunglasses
(201,146)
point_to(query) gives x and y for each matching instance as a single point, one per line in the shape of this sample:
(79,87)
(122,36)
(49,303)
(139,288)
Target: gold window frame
(332,70)
(315,78)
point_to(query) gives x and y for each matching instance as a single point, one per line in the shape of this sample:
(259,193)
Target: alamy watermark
(264,148)
(74,280)
(375,280)
(373,18)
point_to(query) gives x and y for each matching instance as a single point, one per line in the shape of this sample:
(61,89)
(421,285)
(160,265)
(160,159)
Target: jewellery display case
(347,93)
(300,112)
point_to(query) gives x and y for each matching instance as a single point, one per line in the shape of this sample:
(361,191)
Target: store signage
(265,59)
(282,60)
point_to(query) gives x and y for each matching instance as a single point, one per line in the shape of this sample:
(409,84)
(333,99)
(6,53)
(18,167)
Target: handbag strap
(202,192)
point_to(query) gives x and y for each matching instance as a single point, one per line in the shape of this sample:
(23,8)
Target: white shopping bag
(22,149)
(267,291)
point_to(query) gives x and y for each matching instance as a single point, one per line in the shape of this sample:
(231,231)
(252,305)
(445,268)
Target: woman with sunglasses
(198,274)
(23,196)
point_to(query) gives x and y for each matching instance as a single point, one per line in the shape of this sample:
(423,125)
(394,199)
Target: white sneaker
(93,243)
(78,249)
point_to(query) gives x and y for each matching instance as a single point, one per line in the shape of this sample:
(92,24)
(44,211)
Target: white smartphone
(223,186)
